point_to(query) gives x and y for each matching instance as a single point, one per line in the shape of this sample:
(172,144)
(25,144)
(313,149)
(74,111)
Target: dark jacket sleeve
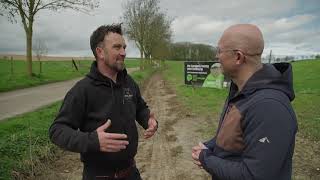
(260,160)
(65,133)
(143,112)
(210,144)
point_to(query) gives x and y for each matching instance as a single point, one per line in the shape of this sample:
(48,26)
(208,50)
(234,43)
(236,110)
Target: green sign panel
(203,74)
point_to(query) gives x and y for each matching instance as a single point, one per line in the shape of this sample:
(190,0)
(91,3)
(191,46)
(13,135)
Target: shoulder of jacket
(261,96)
(80,86)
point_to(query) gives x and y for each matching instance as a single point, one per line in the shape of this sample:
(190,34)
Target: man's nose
(123,52)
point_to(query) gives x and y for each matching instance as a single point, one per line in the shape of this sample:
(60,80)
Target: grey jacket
(256,133)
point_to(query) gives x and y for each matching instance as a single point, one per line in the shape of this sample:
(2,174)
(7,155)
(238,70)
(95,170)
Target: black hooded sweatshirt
(88,105)
(256,134)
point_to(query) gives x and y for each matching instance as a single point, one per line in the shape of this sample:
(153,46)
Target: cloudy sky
(290,27)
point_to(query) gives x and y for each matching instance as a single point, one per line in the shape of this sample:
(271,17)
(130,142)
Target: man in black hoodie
(97,117)
(256,133)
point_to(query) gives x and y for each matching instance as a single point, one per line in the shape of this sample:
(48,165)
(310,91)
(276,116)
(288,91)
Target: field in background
(32,128)
(44,58)
(307,89)
(205,102)
(52,71)
(51,58)
(208,102)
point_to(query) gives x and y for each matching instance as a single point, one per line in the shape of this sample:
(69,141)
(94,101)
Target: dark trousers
(90,174)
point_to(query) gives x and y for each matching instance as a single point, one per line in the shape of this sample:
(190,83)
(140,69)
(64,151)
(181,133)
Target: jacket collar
(99,79)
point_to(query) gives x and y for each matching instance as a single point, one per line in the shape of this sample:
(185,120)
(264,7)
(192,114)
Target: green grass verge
(15,139)
(307,90)
(208,102)
(52,71)
(17,133)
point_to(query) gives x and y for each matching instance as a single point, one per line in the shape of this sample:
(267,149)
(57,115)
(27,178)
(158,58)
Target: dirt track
(168,155)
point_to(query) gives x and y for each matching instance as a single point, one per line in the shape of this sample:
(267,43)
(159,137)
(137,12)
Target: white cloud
(281,49)
(198,28)
(287,26)
(226,9)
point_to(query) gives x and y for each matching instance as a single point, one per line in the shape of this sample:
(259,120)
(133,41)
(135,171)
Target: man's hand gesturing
(152,127)
(111,142)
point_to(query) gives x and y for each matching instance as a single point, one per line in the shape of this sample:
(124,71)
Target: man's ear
(100,52)
(240,58)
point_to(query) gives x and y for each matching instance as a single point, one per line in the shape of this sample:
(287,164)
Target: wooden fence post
(74,64)
(11,59)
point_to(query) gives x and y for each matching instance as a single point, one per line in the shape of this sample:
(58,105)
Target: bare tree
(27,9)
(146,25)
(40,49)
(158,34)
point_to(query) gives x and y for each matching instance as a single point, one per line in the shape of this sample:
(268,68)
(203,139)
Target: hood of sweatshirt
(276,76)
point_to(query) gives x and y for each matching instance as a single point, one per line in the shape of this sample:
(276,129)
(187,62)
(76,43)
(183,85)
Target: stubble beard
(118,66)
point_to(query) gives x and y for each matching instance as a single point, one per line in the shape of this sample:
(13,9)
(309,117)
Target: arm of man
(210,144)
(65,133)
(64,130)
(143,112)
(261,159)
(144,117)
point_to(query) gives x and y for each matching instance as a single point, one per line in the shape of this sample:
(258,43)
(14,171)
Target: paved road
(25,100)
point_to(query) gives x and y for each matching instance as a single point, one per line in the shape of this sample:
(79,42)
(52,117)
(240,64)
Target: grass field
(206,101)
(17,133)
(52,71)
(307,89)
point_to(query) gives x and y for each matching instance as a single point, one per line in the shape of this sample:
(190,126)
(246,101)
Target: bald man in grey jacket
(256,133)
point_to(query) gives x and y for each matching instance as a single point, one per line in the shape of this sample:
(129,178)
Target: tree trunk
(141,60)
(40,66)
(29,50)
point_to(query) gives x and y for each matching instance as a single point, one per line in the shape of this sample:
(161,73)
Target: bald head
(246,37)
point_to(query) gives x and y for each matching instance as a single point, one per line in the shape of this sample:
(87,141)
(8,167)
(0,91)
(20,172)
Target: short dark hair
(98,35)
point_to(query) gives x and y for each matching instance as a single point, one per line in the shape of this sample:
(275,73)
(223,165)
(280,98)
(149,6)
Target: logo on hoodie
(127,94)
(264,140)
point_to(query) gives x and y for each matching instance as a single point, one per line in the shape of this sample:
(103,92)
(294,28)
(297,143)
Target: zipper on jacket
(112,93)
(122,95)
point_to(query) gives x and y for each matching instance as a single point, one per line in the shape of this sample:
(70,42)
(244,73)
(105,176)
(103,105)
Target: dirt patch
(68,167)
(306,159)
